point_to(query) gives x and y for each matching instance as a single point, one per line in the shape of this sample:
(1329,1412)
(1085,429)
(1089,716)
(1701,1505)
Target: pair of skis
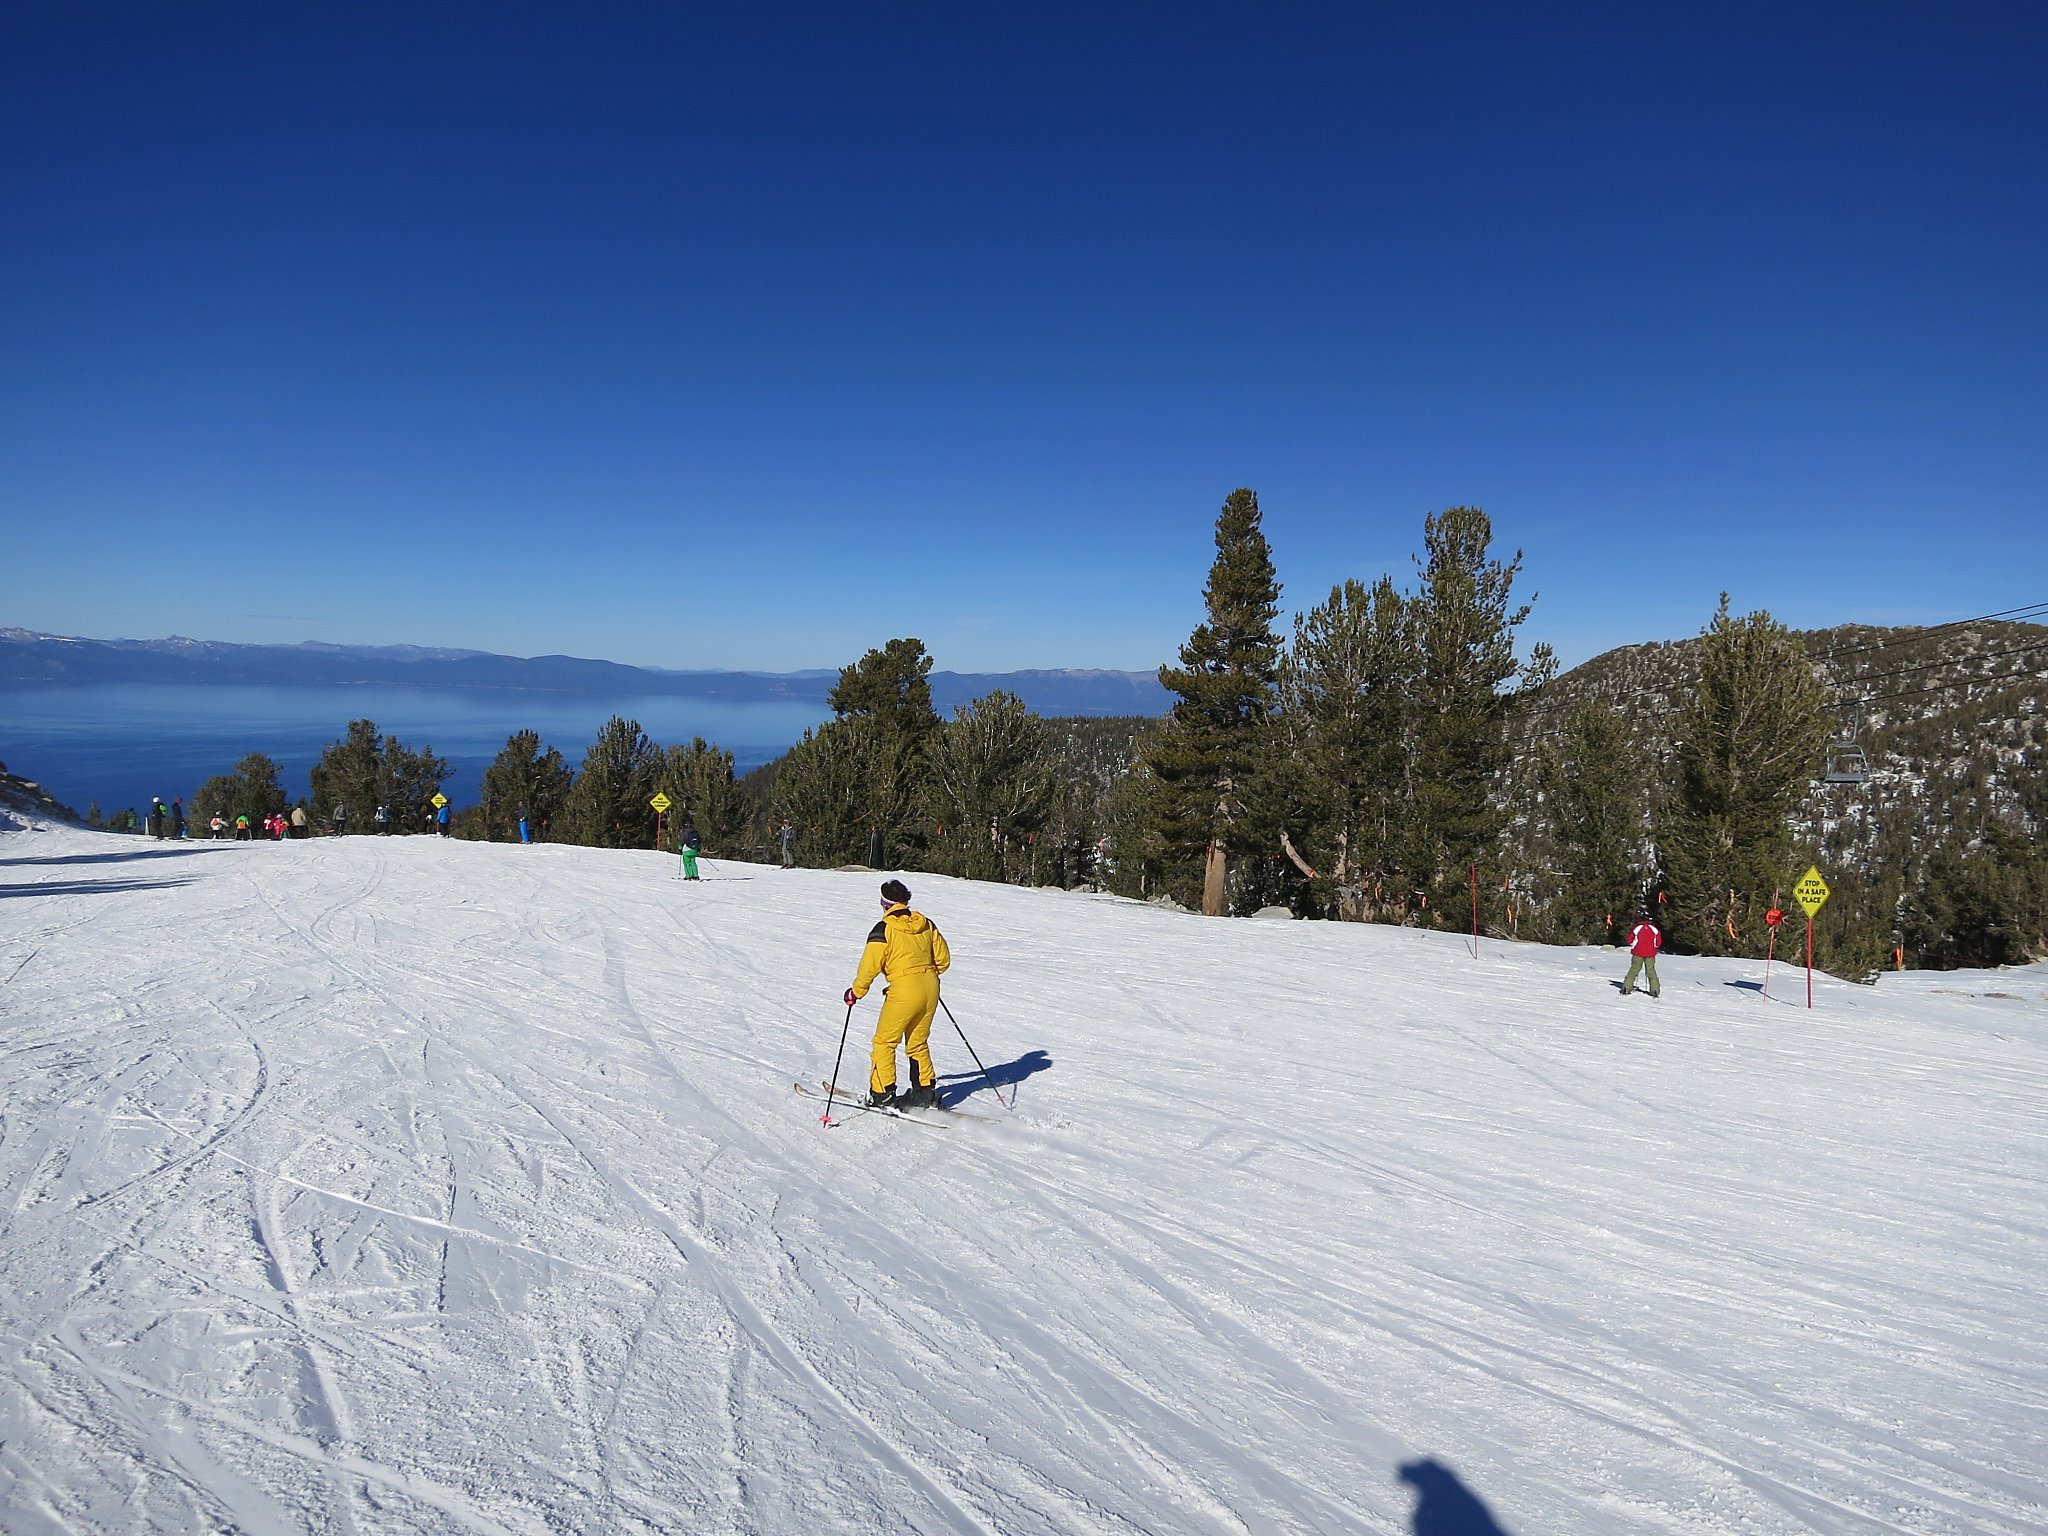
(839,1098)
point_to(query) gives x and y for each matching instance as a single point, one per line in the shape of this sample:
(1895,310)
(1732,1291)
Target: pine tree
(826,785)
(607,805)
(365,770)
(1750,742)
(1465,642)
(860,780)
(349,774)
(699,779)
(1346,714)
(409,781)
(1594,779)
(1216,738)
(991,786)
(525,780)
(252,790)
(891,687)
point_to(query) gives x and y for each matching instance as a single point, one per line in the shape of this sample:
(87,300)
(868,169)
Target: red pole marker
(1809,962)
(1772,919)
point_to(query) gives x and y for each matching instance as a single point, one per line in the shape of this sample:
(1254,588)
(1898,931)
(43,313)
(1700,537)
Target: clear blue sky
(752,335)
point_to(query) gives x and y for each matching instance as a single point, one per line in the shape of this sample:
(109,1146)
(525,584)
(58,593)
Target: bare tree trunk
(1287,847)
(1212,879)
(1350,882)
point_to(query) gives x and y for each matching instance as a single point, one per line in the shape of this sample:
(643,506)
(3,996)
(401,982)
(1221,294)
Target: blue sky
(694,335)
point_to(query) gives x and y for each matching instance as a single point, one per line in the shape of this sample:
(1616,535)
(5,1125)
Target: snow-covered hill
(398,1185)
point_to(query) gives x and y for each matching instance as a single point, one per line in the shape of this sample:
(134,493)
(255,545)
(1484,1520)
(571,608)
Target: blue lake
(118,744)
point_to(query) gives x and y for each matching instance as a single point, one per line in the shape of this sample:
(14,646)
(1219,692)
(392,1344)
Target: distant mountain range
(27,657)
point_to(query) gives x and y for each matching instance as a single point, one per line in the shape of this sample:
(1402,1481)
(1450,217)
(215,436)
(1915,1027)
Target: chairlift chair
(1846,761)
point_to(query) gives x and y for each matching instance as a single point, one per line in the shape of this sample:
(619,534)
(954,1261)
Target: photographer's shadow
(1444,1506)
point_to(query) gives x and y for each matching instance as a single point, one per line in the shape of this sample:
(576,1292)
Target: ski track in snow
(391,1184)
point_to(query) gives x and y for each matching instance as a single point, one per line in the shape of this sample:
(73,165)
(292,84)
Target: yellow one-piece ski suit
(909,950)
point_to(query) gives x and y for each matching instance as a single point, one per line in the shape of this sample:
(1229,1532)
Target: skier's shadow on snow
(1444,1506)
(1002,1075)
(104,858)
(88,887)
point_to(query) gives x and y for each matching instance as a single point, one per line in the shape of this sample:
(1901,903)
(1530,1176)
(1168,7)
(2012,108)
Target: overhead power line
(2018,615)
(1958,661)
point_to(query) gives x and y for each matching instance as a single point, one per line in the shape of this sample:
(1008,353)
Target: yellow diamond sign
(661,801)
(1811,892)
(439,800)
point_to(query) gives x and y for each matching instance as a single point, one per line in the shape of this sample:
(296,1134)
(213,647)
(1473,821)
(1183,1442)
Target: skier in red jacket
(1644,941)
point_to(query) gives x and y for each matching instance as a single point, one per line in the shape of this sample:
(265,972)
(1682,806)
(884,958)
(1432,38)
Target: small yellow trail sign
(661,801)
(1811,892)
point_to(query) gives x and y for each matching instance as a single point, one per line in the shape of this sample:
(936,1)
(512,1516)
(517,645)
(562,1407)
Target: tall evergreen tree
(1215,737)
(1347,715)
(860,780)
(1464,633)
(1750,742)
(349,774)
(607,805)
(252,790)
(890,686)
(699,779)
(525,779)
(365,770)
(410,780)
(1595,780)
(827,787)
(991,785)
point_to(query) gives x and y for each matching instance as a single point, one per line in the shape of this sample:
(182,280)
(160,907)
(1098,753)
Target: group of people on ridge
(276,826)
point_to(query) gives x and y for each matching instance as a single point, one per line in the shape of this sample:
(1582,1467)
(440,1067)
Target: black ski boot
(886,1099)
(926,1097)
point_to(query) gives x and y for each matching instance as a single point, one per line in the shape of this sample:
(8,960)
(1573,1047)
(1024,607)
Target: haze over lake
(119,743)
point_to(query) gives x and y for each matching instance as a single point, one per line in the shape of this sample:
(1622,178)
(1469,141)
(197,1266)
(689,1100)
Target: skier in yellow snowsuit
(911,952)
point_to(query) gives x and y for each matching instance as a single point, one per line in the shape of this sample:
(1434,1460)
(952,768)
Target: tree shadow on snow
(1002,1075)
(103,858)
(87,887)
(1444,1506)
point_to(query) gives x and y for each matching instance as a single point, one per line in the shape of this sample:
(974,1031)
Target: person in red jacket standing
(1644,941)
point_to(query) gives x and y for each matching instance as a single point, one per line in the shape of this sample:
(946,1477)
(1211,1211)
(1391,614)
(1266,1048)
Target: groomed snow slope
(386,1185)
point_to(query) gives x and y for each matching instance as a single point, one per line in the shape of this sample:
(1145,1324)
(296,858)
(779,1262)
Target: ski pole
(832,1087)
(992,1088)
